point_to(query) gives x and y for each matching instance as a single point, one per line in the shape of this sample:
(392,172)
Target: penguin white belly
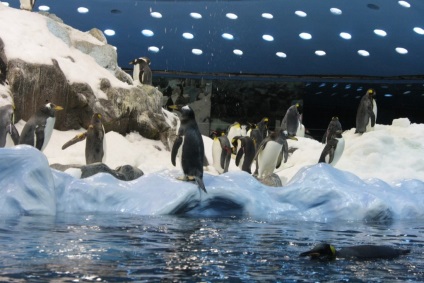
(216,156)
(48,130)
(136,73)
(26,4)
(339,151)
(300,131)
(267,158)
(374,109)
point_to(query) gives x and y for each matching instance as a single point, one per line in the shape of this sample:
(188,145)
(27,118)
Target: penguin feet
(186,178)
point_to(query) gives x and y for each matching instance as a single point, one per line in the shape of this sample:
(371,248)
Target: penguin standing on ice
(325,251)
(291,120)
(27,4)
(142,71)
(272,151)
(221,152)
(9,135)
(332,128)
(95,145)
(246,152)
(333,150)
(39,128)
(193,152)
(367,113)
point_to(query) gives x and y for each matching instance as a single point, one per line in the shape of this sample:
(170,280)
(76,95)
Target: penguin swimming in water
(324,251)
(27,4)
(95,145)
(333,150)
(39,128)
(246,152)
(142,71)
(291,120)
(272,151)
(221,152)
(9,135)
(332,128)
(193,152)
(366,115)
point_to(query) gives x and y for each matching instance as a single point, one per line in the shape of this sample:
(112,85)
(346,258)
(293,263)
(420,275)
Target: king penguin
(142,71)
(221,153)
(9,135)
(245,153)
(333,150)
(290,122)
(193,152)
(332,128)
(272,151)
(39,128)
(325,251)
(27,4)
(95,145)
(366,115)
(233,131)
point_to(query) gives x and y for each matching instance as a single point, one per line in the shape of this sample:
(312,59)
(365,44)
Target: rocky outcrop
(124,107)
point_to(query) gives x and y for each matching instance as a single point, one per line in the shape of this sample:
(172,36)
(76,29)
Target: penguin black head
(321,251)
(50,109)
(335,118)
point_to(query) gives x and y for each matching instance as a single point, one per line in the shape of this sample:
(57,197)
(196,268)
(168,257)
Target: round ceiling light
(305,35)
(231,16)
(404,4)
(281,54)
(363,53)
(320,53)
(188,35)
(227,36)
(238,52)
(267,16)
(336,11)
(196,16)
(147,32)
(153,49)
(267,37)
(380,32)
(44,8)
(401,50)
(109,32)
(419,30)
(345,35)
(156,15)
(82,10)
(196,51)
(301,14)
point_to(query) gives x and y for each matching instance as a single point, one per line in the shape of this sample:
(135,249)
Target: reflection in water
(126,248)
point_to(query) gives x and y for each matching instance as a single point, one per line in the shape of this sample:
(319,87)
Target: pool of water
(125,248)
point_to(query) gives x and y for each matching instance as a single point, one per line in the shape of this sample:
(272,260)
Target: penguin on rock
(95,146)
(27,4)
(142,71)
(39,128)
(366,115)
(193,152)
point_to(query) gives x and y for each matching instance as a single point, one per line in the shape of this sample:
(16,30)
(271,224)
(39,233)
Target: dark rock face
(136,108)
(124,173)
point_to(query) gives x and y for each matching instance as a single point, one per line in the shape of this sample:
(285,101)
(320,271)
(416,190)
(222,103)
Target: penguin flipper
(279,159)
(175,148)
(76,139)
(239,156)
(224,155)
(327,154)
(372,116)
(200,183)
(14,134)
(39,137)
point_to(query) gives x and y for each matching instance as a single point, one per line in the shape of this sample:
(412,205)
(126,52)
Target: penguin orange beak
(57,108)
